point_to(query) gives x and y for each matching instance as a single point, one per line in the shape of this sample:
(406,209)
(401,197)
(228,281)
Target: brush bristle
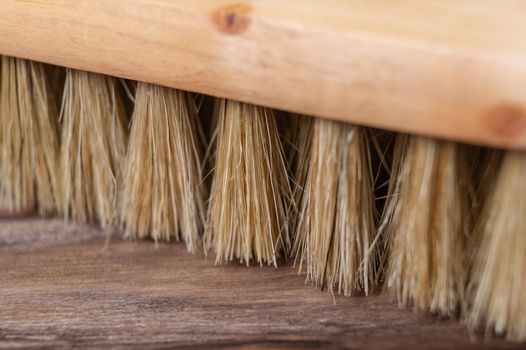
(336,218)
(247,217)
(28,138)
(94,138)
(497,289)
(426,225)
(163,194)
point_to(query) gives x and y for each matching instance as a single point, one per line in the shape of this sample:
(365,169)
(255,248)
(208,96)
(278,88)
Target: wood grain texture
(452,69)
(62,287)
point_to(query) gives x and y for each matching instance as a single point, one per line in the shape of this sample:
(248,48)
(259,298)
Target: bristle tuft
(426,225)
(250,193)
(29,140)
(497,289)
(94,137)
(163,194)
(336,219)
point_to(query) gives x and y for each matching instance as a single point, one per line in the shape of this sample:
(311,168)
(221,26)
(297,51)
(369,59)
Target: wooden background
(62,287)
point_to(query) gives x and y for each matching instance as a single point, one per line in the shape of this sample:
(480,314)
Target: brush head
(94,138)
(250,197)
(163,194)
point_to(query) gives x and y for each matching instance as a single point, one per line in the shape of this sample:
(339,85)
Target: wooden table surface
(62,287)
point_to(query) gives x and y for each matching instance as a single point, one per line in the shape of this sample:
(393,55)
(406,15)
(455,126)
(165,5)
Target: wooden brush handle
(452,69)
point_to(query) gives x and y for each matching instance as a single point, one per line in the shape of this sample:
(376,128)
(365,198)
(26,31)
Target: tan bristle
(163,194)
(336,218)
(29,140)
(94,137)
(426,223)
(497,288)
(247,217)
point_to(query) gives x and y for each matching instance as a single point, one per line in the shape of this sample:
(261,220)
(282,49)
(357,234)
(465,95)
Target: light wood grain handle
(453,69)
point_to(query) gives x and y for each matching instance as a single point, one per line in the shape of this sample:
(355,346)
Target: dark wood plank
(61,286)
